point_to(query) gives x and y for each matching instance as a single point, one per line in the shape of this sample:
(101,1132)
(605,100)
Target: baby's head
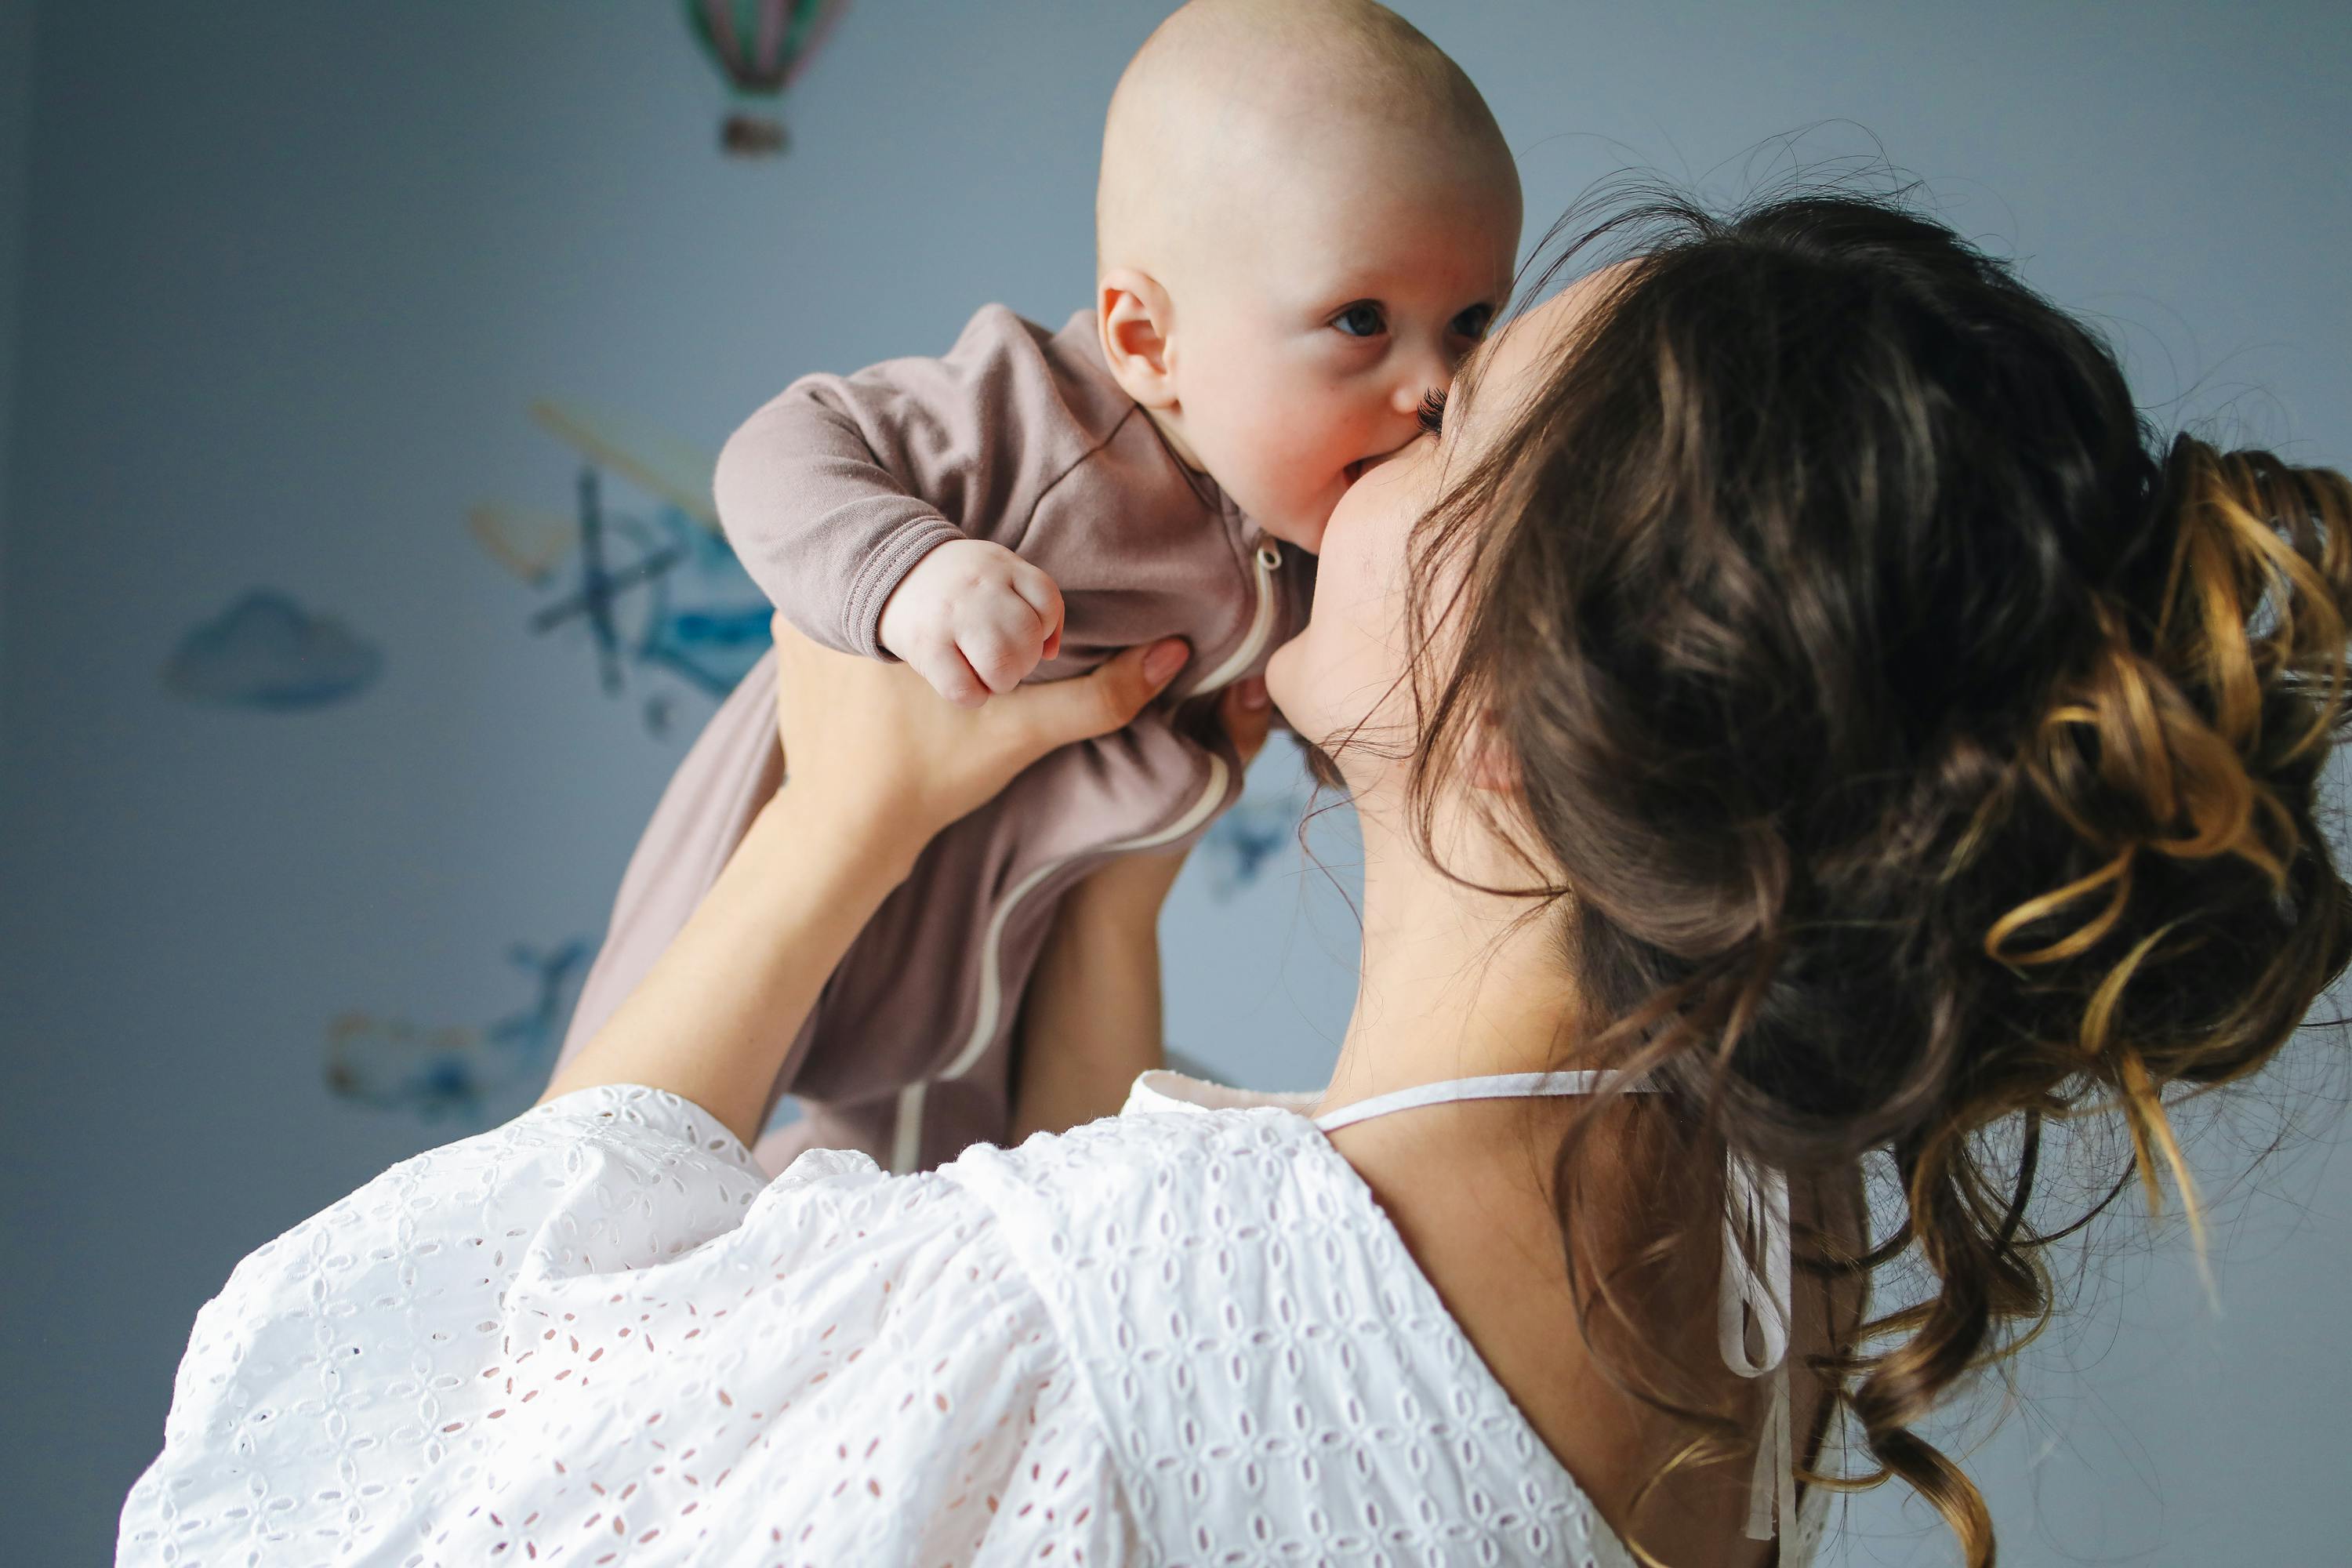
(1307,217)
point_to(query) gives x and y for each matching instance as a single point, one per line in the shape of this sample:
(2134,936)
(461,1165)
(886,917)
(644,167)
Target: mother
(1790,686)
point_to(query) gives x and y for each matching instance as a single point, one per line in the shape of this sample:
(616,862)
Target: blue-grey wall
(293,275)
(16,160)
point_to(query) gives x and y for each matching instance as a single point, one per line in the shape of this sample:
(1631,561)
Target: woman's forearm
(712,1020)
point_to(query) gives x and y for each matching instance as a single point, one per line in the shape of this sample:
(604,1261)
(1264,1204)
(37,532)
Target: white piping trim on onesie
(906,1133)
(906,1137)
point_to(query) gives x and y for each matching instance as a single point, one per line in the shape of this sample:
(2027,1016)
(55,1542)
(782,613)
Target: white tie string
(1756,1229)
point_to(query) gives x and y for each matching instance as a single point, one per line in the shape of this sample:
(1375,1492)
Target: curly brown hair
(1918,749)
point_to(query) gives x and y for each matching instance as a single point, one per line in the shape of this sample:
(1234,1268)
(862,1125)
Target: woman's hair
(1921,751)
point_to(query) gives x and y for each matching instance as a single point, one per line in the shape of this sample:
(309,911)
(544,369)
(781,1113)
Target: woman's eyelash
(1433,411)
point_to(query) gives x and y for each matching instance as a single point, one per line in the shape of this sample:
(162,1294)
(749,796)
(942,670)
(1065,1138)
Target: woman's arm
(1091,1021)
(712,1020)
(879,763)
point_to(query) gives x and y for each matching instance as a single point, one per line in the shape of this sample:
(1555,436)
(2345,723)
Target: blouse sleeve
(601,1326)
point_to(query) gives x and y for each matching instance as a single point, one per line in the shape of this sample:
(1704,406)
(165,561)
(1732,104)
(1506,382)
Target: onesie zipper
(907,1134)
(1261,626)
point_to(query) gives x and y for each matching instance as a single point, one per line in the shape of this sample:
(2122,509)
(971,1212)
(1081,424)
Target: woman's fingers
(1249,716)
(875,733)
(1107,698)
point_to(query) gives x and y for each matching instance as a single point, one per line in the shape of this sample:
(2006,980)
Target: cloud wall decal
(266,651)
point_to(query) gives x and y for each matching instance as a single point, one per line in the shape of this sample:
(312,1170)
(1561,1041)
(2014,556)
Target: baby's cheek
(1315,473)
(1282,486)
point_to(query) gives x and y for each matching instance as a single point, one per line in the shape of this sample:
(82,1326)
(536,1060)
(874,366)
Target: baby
(1307,215)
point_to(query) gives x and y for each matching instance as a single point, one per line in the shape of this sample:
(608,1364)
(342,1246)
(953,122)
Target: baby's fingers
(1044,596)
(1002,639)
(941,663)
(1000,662)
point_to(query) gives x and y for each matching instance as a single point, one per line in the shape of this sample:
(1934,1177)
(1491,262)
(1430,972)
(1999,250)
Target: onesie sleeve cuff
(885,567)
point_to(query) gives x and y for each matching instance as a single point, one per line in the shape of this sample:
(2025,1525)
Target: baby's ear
(1133,314)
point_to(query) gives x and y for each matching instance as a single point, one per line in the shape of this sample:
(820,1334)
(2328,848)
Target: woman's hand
(867,743)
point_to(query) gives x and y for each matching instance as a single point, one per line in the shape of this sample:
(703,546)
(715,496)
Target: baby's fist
(973,619)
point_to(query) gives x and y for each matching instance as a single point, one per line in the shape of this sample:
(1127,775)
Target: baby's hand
(973,619)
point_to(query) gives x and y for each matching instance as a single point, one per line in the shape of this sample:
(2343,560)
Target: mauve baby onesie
(830,494)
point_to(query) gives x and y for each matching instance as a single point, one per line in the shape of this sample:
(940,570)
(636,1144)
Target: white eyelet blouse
(599,1334)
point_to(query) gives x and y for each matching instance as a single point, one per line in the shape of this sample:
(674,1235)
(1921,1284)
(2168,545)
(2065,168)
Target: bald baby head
(1229,100)
(1307,217)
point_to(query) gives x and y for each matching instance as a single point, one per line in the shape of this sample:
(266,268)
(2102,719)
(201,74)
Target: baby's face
(1303,347)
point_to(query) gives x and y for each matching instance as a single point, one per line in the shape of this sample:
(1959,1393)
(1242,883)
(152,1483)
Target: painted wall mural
(266,651)
(652,592)
(456,1071)
(1241,845)
(759,48)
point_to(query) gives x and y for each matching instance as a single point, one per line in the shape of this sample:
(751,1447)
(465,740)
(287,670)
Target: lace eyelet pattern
(598,1335)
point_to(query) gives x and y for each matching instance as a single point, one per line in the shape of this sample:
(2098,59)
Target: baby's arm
(863,507)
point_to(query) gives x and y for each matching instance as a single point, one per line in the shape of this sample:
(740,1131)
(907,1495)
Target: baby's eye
(1362,320)
(1473,322)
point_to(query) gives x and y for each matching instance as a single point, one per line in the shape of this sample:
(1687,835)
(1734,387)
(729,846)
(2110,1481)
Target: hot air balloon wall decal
(760,47)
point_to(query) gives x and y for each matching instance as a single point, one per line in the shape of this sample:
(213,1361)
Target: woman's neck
(1454,983)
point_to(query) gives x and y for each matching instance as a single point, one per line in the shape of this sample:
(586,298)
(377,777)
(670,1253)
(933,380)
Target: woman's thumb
(1107,698)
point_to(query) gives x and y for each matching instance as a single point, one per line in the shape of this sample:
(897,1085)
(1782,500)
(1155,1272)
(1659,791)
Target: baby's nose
(1422,374)
(1406,397)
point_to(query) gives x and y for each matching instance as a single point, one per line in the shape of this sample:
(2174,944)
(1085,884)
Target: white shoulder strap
(1500,1086)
